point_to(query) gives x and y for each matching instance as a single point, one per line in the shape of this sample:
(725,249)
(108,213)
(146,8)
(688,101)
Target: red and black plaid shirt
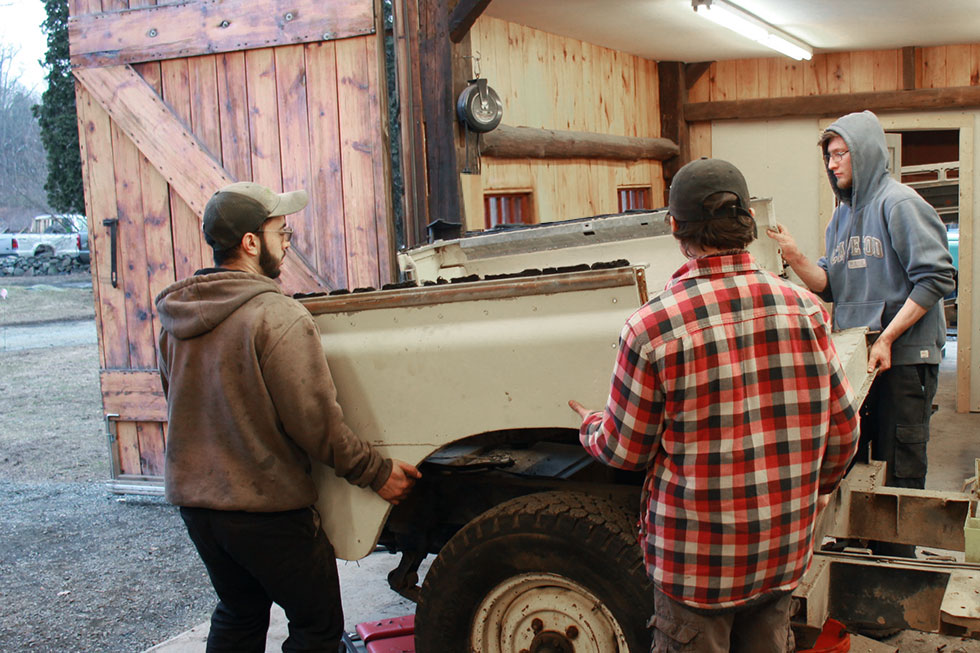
(729,392)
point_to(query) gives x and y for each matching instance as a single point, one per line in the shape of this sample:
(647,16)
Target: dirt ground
(82,569)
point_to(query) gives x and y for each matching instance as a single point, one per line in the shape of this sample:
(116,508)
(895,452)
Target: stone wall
(36,266)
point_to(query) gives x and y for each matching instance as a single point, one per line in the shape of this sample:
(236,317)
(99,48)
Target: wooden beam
(673,118)
(959,97)
(908,68)
(463,17)
(527,142)
(137,110)
(467,151)
(197,27)
(407,60)
(438,105)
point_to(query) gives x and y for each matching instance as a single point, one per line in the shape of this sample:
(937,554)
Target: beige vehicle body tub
(469,378)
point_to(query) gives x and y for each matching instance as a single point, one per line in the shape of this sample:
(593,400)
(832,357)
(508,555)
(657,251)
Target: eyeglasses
(837,156)
(285,232)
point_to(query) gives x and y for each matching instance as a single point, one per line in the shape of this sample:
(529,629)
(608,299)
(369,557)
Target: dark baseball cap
(697,181)
(242,207)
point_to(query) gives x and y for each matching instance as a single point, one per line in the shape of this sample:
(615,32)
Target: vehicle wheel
(555,571)
(43,251)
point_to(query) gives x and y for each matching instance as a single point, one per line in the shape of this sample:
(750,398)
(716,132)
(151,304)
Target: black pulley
(479,107)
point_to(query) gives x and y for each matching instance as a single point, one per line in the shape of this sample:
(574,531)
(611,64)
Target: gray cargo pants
(760,628)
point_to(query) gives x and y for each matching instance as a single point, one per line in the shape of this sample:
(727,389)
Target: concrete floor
(954,445)
(954,437)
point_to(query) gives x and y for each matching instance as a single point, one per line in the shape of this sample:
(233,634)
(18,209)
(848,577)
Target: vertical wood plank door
(165,120)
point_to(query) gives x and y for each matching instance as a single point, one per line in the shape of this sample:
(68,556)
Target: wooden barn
(601,102)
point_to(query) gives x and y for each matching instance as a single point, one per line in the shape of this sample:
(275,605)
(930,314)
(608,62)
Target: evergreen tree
(56,116)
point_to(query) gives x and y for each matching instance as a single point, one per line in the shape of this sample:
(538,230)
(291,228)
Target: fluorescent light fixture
(742,22)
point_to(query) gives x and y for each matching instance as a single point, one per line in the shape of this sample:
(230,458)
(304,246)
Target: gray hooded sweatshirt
(885,244)
(250,399)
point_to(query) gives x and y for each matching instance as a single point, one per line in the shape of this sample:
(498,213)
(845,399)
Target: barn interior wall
(554,82)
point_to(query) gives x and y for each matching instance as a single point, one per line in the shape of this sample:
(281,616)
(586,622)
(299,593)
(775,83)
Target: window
(507,208)
(634,198)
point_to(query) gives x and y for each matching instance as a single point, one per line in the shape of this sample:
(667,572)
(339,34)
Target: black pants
(255,559)
(895,422)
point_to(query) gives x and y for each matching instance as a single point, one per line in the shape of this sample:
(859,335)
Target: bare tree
(23,168)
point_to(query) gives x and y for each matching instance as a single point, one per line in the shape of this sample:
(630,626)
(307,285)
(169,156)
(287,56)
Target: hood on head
(865,139)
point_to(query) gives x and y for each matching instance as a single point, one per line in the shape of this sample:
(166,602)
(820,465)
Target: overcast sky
(20,27)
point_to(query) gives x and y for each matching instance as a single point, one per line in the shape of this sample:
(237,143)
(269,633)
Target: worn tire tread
(597,525)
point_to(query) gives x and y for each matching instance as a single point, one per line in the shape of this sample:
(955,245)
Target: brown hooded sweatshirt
(250,398)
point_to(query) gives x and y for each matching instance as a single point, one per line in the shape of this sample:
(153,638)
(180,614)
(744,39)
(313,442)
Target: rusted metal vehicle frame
(869,593)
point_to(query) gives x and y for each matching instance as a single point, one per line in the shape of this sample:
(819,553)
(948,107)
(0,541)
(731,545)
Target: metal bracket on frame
(112,438)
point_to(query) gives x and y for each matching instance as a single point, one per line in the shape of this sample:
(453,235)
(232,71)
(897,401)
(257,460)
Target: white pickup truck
(8,245)
(469,377)
(42,241)
(28,244)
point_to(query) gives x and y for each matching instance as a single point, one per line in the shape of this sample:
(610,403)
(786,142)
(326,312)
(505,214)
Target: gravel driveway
(81,569)
(85,571)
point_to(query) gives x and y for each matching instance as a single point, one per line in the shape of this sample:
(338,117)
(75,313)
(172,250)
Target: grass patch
(51,424)
(41,302)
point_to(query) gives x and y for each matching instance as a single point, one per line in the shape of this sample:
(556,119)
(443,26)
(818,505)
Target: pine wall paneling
(554,82)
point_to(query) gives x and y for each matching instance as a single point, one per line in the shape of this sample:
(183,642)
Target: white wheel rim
(530,606)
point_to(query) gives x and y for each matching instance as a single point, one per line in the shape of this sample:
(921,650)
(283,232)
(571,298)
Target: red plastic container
(388,635)
(402,644)
(833,639)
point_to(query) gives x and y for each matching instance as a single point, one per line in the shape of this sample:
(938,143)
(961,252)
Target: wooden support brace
(694,71)
(197,27)
(463,17)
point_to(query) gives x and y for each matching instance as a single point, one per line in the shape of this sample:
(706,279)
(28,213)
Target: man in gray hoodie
(250,401)
(887,267)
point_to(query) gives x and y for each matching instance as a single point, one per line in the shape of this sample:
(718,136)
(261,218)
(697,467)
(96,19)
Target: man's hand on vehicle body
(400,482)
(790,251)
(809,272)
(880,356)
(582,411)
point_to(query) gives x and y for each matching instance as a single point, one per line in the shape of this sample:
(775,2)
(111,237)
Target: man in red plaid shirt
(729,392)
